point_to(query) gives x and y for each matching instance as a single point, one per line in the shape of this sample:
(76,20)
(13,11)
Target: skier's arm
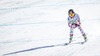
(69,23)
(78,19)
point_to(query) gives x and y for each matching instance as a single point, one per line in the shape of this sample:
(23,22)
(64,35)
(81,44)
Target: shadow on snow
(42,47)
(36,48)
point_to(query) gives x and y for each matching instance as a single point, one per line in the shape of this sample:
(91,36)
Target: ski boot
(85,38)
(70,39)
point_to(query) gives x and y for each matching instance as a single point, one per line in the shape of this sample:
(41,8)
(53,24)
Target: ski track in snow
(5,10)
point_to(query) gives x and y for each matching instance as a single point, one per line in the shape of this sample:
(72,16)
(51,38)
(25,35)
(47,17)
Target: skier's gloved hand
(78,23)
(69,24)
(74,25)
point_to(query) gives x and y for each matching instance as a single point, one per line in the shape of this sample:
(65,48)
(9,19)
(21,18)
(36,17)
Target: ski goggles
(71,14)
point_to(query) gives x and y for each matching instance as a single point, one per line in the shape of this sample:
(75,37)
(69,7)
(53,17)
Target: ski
(81,42)
(66,43)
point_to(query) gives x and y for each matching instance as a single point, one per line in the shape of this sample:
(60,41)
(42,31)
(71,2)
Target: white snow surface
(39,28)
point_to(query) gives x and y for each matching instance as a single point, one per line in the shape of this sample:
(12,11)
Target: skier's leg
(83,34)
(71,35)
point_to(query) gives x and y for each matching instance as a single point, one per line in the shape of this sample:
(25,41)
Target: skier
(74,22)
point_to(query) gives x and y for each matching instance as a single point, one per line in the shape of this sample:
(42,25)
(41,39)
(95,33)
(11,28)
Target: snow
(39,28)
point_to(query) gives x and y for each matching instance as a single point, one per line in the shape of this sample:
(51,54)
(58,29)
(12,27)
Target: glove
(78,23)
(74,25)
(69,24)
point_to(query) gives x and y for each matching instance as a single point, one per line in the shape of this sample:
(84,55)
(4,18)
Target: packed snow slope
(39,28)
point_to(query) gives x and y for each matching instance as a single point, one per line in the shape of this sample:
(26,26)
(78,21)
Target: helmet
(71,13)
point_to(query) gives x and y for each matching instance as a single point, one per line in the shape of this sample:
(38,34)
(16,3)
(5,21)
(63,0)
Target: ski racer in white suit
(74,22)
